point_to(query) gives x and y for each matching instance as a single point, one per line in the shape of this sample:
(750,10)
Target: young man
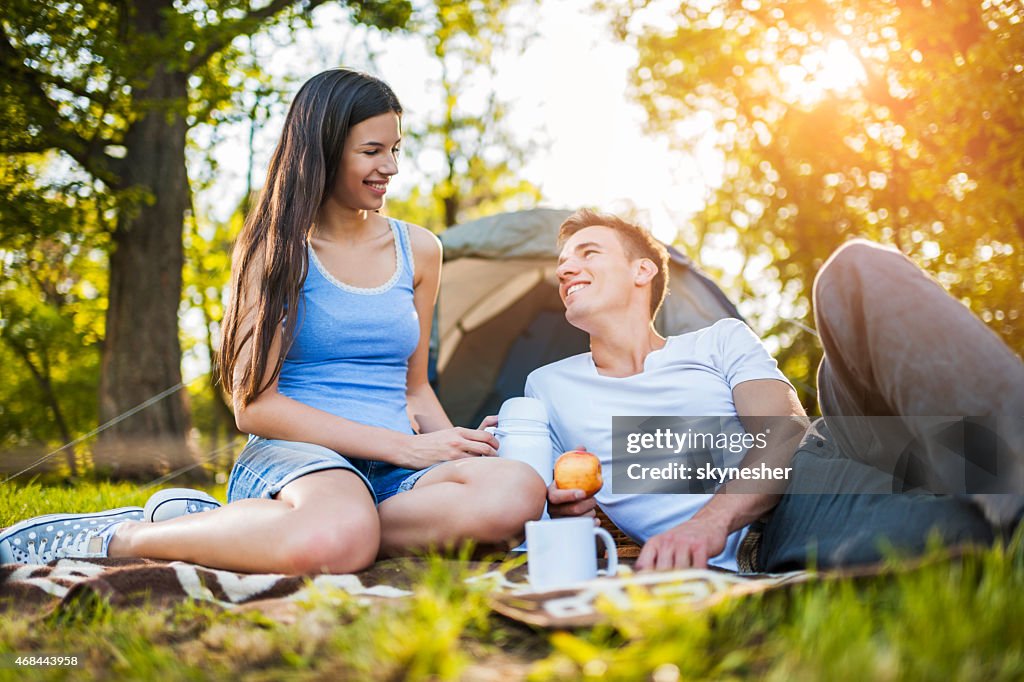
(895,344)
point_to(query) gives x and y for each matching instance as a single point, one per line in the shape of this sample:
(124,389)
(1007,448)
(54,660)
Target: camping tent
(500,317)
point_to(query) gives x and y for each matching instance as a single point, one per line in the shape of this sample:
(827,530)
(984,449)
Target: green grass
(961,619)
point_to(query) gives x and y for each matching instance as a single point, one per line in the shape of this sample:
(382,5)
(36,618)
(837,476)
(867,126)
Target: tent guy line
(106,425)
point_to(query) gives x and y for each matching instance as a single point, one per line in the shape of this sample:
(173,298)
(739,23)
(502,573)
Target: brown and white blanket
(68,583)
(134,582)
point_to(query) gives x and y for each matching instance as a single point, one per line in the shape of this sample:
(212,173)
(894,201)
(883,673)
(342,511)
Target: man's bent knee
(848,265)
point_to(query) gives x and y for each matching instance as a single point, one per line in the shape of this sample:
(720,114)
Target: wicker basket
(627,549)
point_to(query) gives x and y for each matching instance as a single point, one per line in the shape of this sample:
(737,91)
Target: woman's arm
(424,409)
(274,415)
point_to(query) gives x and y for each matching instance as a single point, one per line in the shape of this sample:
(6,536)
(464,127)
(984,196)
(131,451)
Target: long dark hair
(274,239)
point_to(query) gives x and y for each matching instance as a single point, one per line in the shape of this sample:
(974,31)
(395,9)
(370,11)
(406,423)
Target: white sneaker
(43,539)
(174,502)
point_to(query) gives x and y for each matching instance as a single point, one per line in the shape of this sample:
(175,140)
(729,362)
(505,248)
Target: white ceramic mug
(562,552)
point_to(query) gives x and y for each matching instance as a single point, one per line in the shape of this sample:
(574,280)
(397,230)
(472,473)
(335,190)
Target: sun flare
(834,68)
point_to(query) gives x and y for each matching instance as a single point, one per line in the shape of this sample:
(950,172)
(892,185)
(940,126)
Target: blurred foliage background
(898,121)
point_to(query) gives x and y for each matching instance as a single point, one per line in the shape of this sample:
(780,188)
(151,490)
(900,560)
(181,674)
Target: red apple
(578,470)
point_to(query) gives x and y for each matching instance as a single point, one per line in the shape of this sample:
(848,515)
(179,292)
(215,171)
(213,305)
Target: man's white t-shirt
(694,374)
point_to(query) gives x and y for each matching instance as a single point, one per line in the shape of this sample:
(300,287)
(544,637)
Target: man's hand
(569,502)
(692,543)
(688,545)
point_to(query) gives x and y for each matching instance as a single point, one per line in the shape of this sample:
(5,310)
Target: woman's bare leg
(483,499)
(322,522)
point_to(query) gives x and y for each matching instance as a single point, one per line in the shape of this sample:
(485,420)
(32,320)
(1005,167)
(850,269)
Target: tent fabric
(500,317)
(477,289)
(519,234)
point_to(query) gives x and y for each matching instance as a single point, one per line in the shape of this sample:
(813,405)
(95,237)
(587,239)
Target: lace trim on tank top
(397,243)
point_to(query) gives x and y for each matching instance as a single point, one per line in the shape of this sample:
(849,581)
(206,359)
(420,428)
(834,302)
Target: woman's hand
(448,444)
(489,420)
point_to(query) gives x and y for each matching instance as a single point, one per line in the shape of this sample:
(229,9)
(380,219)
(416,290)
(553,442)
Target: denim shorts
(265,467)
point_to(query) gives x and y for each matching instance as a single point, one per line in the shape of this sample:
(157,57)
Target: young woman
(325,351)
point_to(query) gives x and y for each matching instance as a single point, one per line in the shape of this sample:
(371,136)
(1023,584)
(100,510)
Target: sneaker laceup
(85,543)
(63,536)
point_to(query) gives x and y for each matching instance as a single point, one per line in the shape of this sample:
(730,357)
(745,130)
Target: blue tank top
(352,345)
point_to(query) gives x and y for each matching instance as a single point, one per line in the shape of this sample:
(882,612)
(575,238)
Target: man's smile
(574,287)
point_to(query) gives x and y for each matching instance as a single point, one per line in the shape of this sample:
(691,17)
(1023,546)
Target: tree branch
(26,357)
(56,133)
(218,37)
(38,146)
(65,84)
(49,395)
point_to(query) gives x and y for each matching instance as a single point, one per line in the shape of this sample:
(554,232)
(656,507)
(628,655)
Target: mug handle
(613,554)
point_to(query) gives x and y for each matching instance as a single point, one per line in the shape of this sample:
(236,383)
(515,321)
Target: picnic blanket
(134,582)
(68,583)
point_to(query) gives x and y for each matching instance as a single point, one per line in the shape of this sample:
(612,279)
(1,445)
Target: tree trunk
(141,351)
